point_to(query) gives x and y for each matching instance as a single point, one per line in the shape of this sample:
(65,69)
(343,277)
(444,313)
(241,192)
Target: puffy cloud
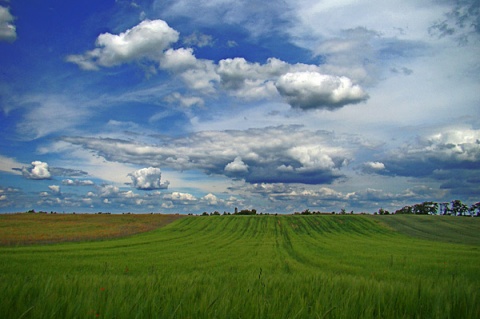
(452,149)
(38,170)
(292,155)
(312,90)
(7,28)
(373,167)
(148,179)
(302,85)
(312,157)
(211,199)
(147,39)
(237,166)
(108,190)
(55,189)
(179,197)
(202,77)
(178,60)
(242,76)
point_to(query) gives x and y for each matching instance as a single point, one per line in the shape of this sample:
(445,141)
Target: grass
(452,229)
(245,267)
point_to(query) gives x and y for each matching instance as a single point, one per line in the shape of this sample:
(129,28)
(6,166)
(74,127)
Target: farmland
(250,267)
(53,228)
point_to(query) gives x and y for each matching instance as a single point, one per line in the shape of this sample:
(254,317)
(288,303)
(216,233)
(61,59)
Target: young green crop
(245,267)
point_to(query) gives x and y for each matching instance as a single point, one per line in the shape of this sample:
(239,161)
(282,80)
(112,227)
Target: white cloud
(180,197)
(77,182)
(202,77)
(48,114)
(312,90)
(55,189)
(177,60)
(148,179)
(302,155)
(198,39)
(211,199)
(250,80)
(7,28)
(8,164)
(38,170)
(312,157)
(185,101)
(451,148)
(373,167)
(237,166)
(147,39)
(301,84)
(108,190)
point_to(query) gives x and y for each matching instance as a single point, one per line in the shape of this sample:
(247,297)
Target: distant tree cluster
(455,208)
(308,212)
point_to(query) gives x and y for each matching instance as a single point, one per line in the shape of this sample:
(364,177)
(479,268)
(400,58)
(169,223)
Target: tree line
(455,208)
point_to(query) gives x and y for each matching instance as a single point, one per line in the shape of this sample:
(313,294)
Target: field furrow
(245,267)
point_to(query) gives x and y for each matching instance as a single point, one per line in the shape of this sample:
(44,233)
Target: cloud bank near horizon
(187,106)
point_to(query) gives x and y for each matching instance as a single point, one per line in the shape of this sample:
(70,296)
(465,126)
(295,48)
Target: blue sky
(189,106)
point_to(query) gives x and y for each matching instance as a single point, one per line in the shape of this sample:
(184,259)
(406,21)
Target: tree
(475,209)
(459,208)
(444,209)
(382,211)
(404,210)
(425,208)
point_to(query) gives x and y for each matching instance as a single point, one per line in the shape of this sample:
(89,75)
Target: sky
(189,106)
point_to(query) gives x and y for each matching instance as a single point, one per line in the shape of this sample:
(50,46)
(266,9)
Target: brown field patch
(35,228)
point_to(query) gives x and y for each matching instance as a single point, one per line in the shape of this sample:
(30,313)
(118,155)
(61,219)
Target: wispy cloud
(8,30)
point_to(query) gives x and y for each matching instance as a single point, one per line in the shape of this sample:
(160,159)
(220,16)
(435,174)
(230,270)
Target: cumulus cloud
(312,90)
(177,60)
(38,170)
(237,166)
(180,198)
(147,39)
(373,167)
(451,149)
(148,179)
(55,189)
(211,199)
(293,155)
(250,80)
(451,157)
(8,31)
(303,86)
(108,190)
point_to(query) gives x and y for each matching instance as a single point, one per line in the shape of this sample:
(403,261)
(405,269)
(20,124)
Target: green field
(247,267)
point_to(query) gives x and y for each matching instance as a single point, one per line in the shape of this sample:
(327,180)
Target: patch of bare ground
(36,228)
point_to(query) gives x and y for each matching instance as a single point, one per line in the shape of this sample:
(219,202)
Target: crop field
(53,228)
(289,266)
